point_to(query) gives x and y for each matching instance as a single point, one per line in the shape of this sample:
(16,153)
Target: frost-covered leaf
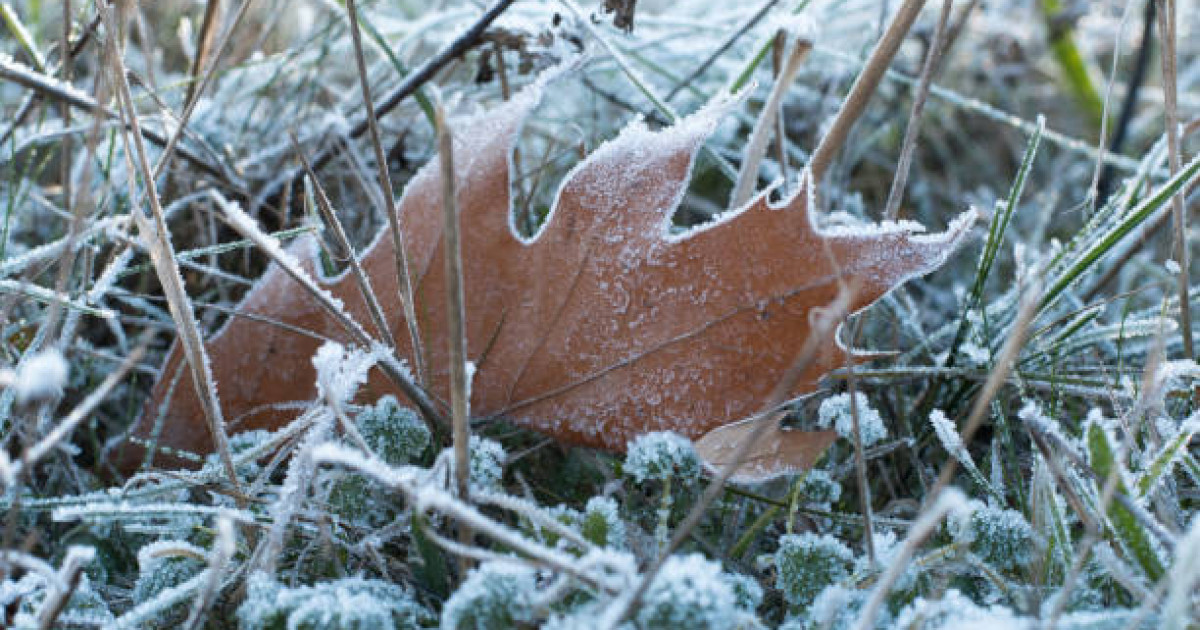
(602,327)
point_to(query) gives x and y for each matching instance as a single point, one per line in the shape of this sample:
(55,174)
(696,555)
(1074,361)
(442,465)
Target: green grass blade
(1130,534)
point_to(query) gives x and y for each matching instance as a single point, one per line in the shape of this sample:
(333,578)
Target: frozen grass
(1025,458)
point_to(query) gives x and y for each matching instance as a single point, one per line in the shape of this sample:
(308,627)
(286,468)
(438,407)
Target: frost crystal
(602,524)
(1002,538)
(346,604)
(689,592)
(340,372)
(955,610)
(487,462)
(821,488)
(394,432)
(835,412)
(807,563)
(495,595)
(662,454)
(41,377)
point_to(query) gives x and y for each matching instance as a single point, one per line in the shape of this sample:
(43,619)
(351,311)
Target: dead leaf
(602,327)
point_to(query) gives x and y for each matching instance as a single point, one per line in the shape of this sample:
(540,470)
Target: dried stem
(864,87)
(343,242)
(162,253)
(455,312)
(932,58)
(403,276)
(756,148)
(1166,28)
(194,95)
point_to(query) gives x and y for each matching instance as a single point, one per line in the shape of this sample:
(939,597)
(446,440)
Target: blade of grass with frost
(17,28)
(1109,240)
(43,294)
(221,248)
(995,237)
(1124,525)
(1172,452)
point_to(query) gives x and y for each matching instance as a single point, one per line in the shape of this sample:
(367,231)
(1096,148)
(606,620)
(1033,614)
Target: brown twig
(1166,28)
(343,242)
(404,282)
(864,87)
(934,56)
(162,253)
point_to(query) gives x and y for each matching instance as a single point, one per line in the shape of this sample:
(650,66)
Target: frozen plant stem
(932,58)
(1166,28)
(403,277)
(756,149)
(163,255)
(455,314)
(864,86)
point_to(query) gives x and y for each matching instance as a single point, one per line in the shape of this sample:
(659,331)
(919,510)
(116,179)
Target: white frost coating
(340,372)
(952,441)
(129,510)
(41,377)
(156,552)
(630,147)
(835,411)
(955,610)
(142,614)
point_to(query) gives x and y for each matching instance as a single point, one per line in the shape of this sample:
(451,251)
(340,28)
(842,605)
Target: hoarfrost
(661,454)
(955,610)
(689,592)
(341,371)
(807,563)
(498,594)
(41,377)
(835,411)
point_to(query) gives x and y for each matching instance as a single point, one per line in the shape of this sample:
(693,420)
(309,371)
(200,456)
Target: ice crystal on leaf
(394,432)
(689,592)
(807,563)
(497,594)
(1001,537)
(345,604)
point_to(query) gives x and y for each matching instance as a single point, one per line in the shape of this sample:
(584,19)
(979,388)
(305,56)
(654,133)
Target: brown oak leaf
(604,326)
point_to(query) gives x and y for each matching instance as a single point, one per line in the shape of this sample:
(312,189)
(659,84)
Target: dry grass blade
(1167,24)
(404,282)
(756,148)
(932,59)
(456,313)
(343,242)
(864,87)
(162,253)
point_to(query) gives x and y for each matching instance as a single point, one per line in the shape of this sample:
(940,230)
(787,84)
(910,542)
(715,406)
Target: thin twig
(756,148)
(864,87)
(932,59)
(455,311)
(339,235)
(412,83)
(1166,28)
(404,282)
(162,253)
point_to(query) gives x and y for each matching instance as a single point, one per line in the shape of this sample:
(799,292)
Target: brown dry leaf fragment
(602,327)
